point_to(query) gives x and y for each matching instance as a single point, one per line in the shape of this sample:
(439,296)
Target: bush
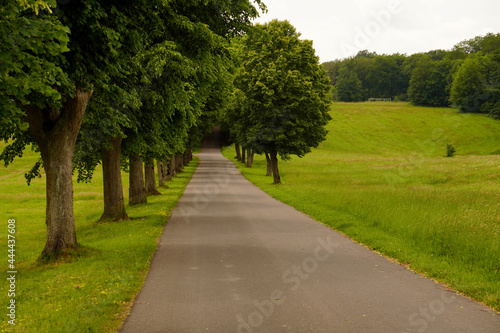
(450,150)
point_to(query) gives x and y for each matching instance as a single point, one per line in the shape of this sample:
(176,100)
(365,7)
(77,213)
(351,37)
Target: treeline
(120,84)
(467,77)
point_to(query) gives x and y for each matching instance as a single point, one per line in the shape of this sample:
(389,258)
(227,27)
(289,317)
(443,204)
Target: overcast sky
(341,28)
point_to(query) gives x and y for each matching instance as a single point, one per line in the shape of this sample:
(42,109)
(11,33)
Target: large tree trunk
(249,158)
(150,178)
(137,191)
(238,152)
(55,132)
(172,167)
(274,165)
(269,168)
(243,154)
(114,205)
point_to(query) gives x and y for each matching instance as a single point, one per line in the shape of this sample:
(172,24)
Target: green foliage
(469,82)
(430,82)
(450,150)
(426,78)
(284,91)
(30,62)
(348,87)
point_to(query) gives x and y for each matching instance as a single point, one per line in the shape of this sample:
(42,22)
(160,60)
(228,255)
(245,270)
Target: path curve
(233,259)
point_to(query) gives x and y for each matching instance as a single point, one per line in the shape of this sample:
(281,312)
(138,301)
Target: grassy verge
(94,291)
(381,178)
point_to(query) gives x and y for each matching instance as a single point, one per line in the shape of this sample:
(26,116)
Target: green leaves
(283,104)
(30,59)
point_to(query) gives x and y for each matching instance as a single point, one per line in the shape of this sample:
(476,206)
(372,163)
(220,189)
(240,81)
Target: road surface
(233,259)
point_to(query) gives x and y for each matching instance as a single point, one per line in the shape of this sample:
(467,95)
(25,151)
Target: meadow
(382,179)
(94,290)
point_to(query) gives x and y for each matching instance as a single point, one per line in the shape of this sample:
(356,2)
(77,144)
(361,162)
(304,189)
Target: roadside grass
(382,179)
(94,290)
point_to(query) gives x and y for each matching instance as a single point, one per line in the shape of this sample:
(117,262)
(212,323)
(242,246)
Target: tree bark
(163,176)
(55,132)
(238,152)
(274,166)
(137,191)
(166,171)
(269,168)
(161,173)
(150,178)
(179,163)
(243,154)
(249,158)
(172,167)
(187,157)
(114,205)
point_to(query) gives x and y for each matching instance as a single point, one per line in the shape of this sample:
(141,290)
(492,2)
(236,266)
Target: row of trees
(280,101)
(114,83)
(467,76)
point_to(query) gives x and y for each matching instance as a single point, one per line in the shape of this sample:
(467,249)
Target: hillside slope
(381,178)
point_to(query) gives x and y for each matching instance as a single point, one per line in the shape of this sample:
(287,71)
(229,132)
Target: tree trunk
(238,152)
(274,166)
(269,168)
(137,191)
(150,178)
(114,205)
(166,170)
(179,163)
(187,158)
(55,132)
(243,154)
(160,168)
(249,158)
(172,167)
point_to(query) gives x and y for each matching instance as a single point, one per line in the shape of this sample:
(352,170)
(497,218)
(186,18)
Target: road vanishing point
(233,259)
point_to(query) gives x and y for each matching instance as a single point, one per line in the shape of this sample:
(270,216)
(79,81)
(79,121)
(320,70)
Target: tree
(52,98)
(348,86)
(430,82)
(468,90)
(285,93)
(57,56)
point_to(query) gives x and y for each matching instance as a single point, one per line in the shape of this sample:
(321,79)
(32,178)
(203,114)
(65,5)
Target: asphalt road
(233,259)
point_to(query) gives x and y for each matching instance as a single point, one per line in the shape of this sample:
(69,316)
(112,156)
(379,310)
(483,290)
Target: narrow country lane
(233,259)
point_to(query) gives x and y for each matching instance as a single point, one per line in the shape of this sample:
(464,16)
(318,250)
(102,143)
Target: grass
(382,179)
(94,290)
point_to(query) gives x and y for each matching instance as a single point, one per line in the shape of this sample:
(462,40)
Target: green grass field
(382,179)
(90,293)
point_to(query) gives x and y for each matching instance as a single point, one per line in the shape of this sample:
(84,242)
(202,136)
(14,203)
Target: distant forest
(467,77)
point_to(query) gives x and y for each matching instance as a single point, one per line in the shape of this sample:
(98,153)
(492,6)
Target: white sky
(341,28)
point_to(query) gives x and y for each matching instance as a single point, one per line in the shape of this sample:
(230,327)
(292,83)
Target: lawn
(94,291)
(382,179)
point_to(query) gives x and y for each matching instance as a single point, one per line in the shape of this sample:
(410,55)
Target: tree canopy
(282,92)
(148,72)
